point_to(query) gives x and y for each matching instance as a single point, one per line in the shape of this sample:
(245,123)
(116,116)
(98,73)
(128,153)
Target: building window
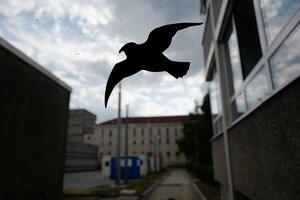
(276,14)
(257,89)
(167,131)
(247,34)
(134,142)
(142,142)
(214,94)
(177,153)
(142,132)
(159,141)
(175,131)
(238,106)
(150,132)
(168,154)
(134,132)
(110,133)
(89,137)
(150,142)
(285,62)
(158,131)
(234,61)
(109,143)
(168,141)
(102,133)
(215,101)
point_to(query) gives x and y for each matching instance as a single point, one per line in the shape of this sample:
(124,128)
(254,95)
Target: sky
(79,41)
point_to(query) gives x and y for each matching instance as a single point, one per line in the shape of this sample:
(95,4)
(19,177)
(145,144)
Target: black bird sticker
(148,56)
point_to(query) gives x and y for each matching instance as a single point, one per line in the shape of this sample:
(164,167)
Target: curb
(199,192)
(152,187)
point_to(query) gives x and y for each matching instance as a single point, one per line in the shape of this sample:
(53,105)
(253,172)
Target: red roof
(150,120)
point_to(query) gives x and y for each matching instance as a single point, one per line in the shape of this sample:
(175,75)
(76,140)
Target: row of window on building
(261,55)
(142,132)
(134,142)
(168,153)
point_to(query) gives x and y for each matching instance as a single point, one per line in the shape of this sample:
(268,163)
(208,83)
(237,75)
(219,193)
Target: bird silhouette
(148,56)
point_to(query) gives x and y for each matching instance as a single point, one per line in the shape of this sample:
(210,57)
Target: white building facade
(154,136)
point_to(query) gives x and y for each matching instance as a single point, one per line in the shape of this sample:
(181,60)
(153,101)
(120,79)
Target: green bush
(203,172)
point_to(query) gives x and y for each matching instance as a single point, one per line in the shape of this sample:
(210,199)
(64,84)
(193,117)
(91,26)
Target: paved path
(84,180)
(176,186)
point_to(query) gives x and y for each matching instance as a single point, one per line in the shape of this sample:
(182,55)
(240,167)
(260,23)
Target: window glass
(257,89)
(285,62)
(239,106)
(217,126)
(247,34)
(142,132)
(214,93)
(232,50)
(276,13)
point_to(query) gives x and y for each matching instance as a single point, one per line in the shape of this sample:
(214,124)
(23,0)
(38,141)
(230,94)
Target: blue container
(133,168)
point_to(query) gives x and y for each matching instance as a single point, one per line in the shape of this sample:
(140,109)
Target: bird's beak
(121,50)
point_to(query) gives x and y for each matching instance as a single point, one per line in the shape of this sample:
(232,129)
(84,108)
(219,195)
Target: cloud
(79,42)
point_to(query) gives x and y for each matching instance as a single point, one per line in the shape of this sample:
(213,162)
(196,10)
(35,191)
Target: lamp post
(126,147)
(118,140)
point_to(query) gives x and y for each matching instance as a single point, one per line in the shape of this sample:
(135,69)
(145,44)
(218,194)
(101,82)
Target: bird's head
(127,48)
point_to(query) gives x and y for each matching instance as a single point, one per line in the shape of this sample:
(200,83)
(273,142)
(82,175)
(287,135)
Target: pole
(155,140)
(126,147)
(118,140)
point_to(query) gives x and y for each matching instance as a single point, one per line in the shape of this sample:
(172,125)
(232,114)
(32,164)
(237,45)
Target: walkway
(86,180)
(176,186)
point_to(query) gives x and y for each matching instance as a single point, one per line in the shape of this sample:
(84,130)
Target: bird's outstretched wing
(121,70)
(161,37)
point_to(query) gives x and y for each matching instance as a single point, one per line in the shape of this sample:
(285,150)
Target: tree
(197,132)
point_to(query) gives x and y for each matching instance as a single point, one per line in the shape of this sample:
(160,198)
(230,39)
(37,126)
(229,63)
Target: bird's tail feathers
(179,69)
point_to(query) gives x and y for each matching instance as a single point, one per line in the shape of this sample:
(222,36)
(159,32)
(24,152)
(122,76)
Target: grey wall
(219,161)
(81,156)
(265,148)
(34,117)
(80,122)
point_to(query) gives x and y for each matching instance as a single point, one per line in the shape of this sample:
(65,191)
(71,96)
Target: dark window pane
(247,34)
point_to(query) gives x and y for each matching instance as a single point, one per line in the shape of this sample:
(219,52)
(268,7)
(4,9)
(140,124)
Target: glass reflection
(276,14)
(215,96)
(234,60)
(238,107)
(217,126)
(257,89)
(285,62)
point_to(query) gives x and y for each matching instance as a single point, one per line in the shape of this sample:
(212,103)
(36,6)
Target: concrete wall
(81,156)
(81,122)
(34,117)
(265,148)
(219,161)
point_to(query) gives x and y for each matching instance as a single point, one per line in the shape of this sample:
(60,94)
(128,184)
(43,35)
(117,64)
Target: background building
(146,135)
(79,155)
(81,122)
(251,50)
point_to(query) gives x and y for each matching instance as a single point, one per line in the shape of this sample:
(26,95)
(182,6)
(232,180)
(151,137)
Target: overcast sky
(79,41)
